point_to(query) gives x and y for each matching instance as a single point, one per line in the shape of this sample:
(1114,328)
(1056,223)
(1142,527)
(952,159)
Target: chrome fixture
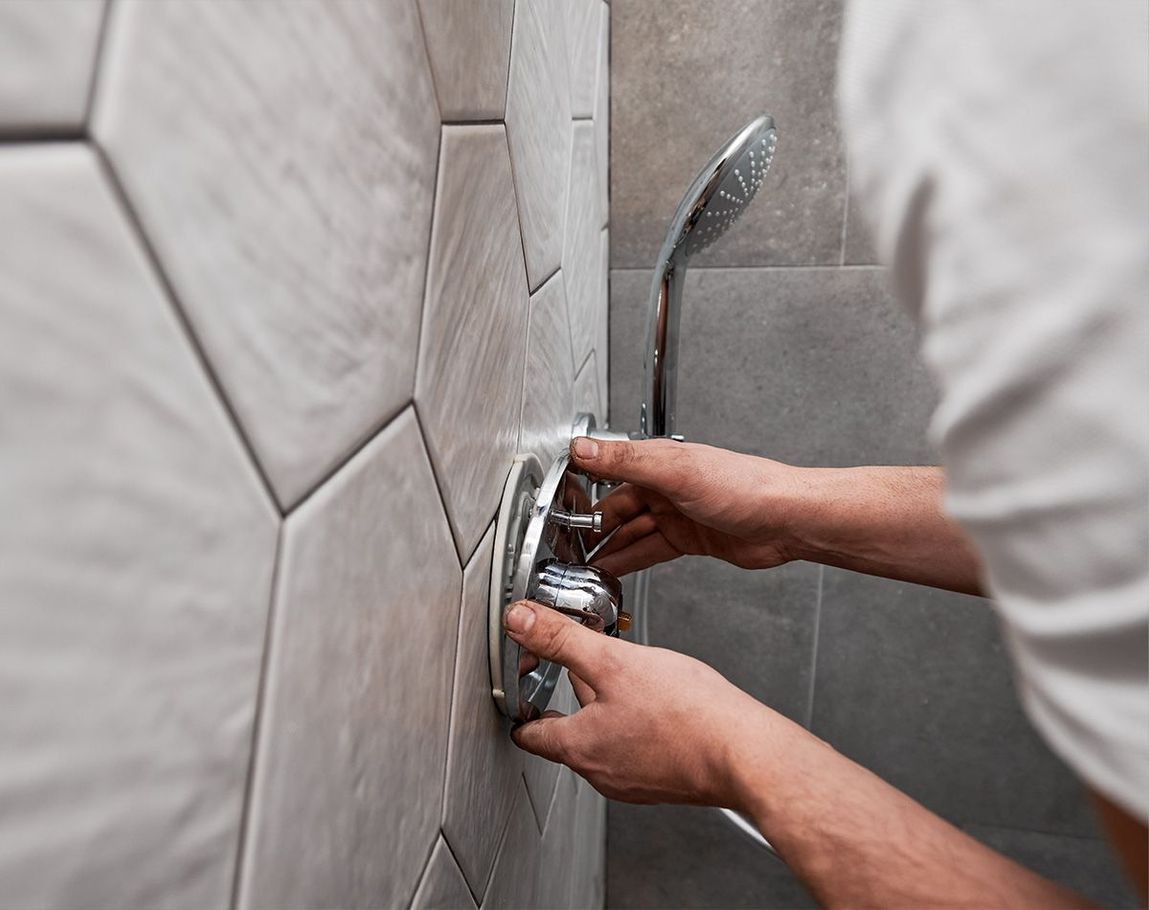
(540,554)
(713,202)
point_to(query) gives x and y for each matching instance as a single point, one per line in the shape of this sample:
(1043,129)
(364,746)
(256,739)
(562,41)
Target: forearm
(855,841)
(881,521)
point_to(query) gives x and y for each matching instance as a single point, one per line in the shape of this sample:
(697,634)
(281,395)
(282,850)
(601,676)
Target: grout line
(828,266)
(97,66)
(463,558)
(423,294)
(427,57)
(845,216)
(45,137)
(510,55)
(582,119)
(245,819)
(814,650)
(484,121)
(477,898)
(182,320)
(426,865)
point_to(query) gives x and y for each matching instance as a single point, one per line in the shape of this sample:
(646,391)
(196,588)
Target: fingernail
(519,619)
(585,447)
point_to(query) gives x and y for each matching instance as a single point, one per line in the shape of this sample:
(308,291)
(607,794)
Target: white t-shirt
(1000,153)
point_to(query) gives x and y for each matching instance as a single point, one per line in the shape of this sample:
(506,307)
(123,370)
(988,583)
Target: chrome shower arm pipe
(660,363)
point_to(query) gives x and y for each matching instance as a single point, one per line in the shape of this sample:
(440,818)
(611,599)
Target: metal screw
(573,520)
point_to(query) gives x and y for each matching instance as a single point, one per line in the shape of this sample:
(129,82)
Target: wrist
(803,506)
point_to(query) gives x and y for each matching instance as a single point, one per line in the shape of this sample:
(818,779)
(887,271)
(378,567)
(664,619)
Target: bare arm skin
(678,498)
(656,726)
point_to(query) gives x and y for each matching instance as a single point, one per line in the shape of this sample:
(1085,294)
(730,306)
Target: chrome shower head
(723,188)
(714,201)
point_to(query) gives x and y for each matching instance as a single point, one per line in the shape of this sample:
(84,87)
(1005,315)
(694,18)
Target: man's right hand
(679,498)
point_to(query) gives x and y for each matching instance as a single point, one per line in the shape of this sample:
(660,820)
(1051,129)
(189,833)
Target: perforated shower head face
(725,187)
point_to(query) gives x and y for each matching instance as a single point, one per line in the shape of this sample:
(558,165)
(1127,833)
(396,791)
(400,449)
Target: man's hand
(679,498)
(655,726)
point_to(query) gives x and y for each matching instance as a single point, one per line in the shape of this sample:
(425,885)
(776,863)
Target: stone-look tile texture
(858,248)
(49,54)
(353,743)
(139,550)
(583,29)
(484,768)
(256,421)
(602,116)
(582,253)
(443,886)
(548,384)
(473,344)
(684,78)
(470,49)
(282,160)
(539,130)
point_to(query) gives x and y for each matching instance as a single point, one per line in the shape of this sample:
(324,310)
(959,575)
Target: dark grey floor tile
(858,247)
(687,75)
(755,628)
(1085,864)
(678,856)
(811,366)
(915,684)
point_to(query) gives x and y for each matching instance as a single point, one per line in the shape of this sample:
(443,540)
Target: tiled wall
(283,288)
(793,348)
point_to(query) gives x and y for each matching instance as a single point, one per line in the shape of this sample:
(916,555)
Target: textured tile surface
(515,882)
(588,885)
(1086,864)
(602,116)
(470,48)
(539,131)
(49,54)
(548,396)
(557,863)
(353,742)
(755,628)
(808,366)
(484,767)
(858,246)
(282,159)
(685,79)
(138,550)
(586,392)
(915,684)
(680,856)
(442,886)
(474,329)
(582,53)
(582,251)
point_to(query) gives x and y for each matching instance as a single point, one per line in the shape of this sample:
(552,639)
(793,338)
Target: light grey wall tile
(807,366)
(588,399)
(1086,864)
(348,785)
(484,767)
(515,881)
(685,857)
(602,324)
(582,53)
(474,337)
(539,131)
(548,384)
(442,886)
(755,628)
(139,549)
(557,860)
(685,78)
(470,49)
(582,251)
(915,684)
(588,884)
(282,159)
(49,54)
(602,116)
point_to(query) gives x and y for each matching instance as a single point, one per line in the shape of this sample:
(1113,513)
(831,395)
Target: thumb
(546,737)
(552,636)
(657,464)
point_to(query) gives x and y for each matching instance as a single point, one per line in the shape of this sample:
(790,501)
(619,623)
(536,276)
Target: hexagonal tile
(582,252)
(443,886)
(49,54)
(602,324)
(348,787)
(515,882)
(282,159)
(539,130)
(587,396)
(138,547)
(484,767)
(602,116)
(557,867)
(582,53)
(474,335)
(470,48)
(548,397)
